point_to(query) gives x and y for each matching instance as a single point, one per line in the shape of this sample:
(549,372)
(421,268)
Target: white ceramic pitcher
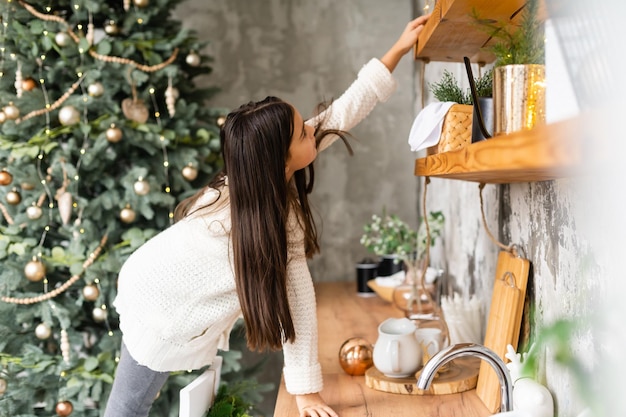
(397,352)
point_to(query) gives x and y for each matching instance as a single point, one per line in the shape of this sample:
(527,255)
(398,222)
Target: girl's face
(302,150)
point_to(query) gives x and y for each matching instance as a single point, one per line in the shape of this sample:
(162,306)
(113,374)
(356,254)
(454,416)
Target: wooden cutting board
(505,318)
(460,375)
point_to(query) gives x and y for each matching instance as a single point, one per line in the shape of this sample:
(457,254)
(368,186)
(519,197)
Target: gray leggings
(134,389)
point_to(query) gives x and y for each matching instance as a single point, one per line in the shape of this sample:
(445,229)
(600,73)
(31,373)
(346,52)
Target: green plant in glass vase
(389,235)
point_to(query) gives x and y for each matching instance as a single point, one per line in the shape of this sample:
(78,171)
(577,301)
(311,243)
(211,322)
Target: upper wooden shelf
(544,153)
(450,33)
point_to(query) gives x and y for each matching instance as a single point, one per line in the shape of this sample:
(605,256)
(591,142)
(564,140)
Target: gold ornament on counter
(91,292)
(14,197)
(11,111)
(43,331)
(127,215)
(190,172)
(95,90)
(35,270)
(69,115)
(64,408)
(6,177)
(34,212)
(113,134)
(356,356)
(135,109)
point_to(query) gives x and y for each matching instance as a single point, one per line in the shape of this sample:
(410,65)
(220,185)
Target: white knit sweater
(176,294)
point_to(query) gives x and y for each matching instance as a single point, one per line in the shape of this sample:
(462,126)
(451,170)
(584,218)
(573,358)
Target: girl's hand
(405,42)
(312,405)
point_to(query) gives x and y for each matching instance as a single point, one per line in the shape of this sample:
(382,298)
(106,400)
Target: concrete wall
(306,52)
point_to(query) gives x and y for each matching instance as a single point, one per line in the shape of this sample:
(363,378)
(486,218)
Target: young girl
(239,247)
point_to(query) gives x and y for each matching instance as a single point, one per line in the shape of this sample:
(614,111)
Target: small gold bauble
(64,408)
(135,109)
(3,116)
(99,314)
(91,292)
(111,28)
(141,187)
(141,3)
(221,120)
(14,197)
(34,212)
(11,111)
(113,134)
(356,356)
(43,331)
(6,177)
(95,90)
(193,59)
(127,215)
(35,270)
(190,172)
(29,84)
(27,186)
(62,39)
(69,115)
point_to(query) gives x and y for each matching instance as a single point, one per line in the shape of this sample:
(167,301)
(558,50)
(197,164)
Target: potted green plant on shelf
(519,70)
(388,235)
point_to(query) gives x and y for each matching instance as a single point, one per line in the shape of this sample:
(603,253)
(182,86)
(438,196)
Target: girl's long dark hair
(255,141)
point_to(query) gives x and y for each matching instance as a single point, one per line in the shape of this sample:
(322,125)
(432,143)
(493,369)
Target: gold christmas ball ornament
(190,172)
(99,314)
(64,408)
(141,3)
(69,115)
(113,134)
(91,292)
(43,331)
(14,197)
(29,84)
(3,117)
(62,39)
(127,215)
(35,270)
(356,356)
(111,28)
(3,386)
(95,90)
(11,111)
(141,187)
(221,120)
(6,177)
(192,59)
(34,212)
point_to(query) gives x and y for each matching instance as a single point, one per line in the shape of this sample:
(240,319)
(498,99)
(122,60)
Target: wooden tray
(460,375)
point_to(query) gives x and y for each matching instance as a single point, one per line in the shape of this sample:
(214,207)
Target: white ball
(42,331)
(34,212)
(193,59)
(62,39)
(99,314)
(95,89)
(68,115)
(11,112)
(141,187)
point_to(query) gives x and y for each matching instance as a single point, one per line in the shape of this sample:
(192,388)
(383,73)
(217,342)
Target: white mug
(397,353)
(430,340)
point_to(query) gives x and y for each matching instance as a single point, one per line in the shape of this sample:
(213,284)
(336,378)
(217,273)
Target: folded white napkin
(426,129)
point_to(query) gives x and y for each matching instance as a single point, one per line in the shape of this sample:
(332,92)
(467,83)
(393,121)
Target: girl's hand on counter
(312,405)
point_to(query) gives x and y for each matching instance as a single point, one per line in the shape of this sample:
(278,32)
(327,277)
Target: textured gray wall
(306,52)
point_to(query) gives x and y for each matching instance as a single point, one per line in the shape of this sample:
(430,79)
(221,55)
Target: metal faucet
(470,349)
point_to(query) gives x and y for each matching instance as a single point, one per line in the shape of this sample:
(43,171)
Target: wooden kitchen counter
(341,315)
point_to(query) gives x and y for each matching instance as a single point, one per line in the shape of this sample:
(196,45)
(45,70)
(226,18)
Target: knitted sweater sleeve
(374,84)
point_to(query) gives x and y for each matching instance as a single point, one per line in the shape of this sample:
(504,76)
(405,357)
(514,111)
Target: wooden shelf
(544,153)
(450,33)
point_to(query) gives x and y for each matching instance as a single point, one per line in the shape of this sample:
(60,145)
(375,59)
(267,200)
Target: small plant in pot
(519,70)
(389,235)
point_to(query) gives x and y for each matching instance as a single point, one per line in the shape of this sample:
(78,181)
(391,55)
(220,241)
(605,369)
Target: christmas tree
(102,132)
